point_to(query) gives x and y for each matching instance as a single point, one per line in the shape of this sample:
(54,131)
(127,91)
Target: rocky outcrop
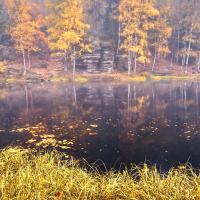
(121,62)
(107,58)
(90,61)
(100,60)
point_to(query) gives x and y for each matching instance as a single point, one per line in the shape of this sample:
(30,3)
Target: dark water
(156,121)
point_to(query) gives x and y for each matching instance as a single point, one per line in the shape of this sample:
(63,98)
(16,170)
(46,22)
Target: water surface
(129,123)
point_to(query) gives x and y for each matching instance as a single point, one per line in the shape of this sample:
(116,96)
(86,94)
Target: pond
(116,123)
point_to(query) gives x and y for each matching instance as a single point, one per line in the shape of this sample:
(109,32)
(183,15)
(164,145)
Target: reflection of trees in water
(133,118)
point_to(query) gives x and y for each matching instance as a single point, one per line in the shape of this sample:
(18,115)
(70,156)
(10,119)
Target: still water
(117,123)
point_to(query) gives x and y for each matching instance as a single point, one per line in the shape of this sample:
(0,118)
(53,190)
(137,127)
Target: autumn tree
(66,28)
(24,27)
(136,18)
(161,34)
(185,22)
(191,25)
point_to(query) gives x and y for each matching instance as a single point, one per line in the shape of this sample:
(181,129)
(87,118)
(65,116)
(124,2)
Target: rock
(90,61)
(4,53)
(30,77)
(107,58)
(36,65)
(43,65)
(121,62)
(15,69)
(49,75)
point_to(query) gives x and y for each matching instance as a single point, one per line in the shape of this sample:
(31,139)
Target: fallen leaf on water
(93,125)
(92,133)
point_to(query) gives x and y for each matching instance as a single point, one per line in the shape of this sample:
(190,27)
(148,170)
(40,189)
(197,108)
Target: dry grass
(158,78)
(29,175)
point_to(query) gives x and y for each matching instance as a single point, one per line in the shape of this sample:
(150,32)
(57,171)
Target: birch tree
(66,29)
(24,27)
(189,31)
(162,33)
(136,17)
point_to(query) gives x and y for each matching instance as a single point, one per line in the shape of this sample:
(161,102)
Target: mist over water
(117,123)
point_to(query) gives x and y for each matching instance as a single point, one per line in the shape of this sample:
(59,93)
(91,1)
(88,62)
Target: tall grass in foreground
(29,175)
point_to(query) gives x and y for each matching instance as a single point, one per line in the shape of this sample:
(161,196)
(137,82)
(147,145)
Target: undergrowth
(25,174)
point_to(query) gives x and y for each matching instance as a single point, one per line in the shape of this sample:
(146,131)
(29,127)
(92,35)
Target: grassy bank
(80,78)
(27,175)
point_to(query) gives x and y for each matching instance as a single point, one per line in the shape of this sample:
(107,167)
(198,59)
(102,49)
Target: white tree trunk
(183,58)
(154,61)
(188,52)
(29,59)
(119,33)
(74,62)
(178,42)
(22,46)
(172,57)
(135,54)
(198,61)
(65,62)
(129,59)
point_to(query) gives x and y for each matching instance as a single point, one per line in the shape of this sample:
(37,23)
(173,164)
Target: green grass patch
(25,174)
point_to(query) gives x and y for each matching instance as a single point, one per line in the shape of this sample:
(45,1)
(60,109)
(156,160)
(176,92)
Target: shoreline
(81,78)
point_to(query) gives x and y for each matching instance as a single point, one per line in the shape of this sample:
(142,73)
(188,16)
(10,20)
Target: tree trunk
(178,41)
(29,59)
(65,62)
(154,61)
(188,52)
(172,57)
(74,62)
(118,46)
(183,58)
(22,46)
(129,59)
(135,54)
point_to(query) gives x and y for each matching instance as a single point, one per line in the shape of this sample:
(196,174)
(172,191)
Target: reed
(25,174)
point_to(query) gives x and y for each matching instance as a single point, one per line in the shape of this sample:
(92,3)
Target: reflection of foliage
(4,94)
(3,66)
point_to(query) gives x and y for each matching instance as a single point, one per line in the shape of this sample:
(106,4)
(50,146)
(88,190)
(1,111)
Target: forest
(132,32)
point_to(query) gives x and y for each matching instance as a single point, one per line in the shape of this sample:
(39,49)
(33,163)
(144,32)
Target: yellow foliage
(162,32)
(80,79)
(136,17)
(141,78)
(66,26)
(4,94)
(24,25)
(3,66)
(10,80)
